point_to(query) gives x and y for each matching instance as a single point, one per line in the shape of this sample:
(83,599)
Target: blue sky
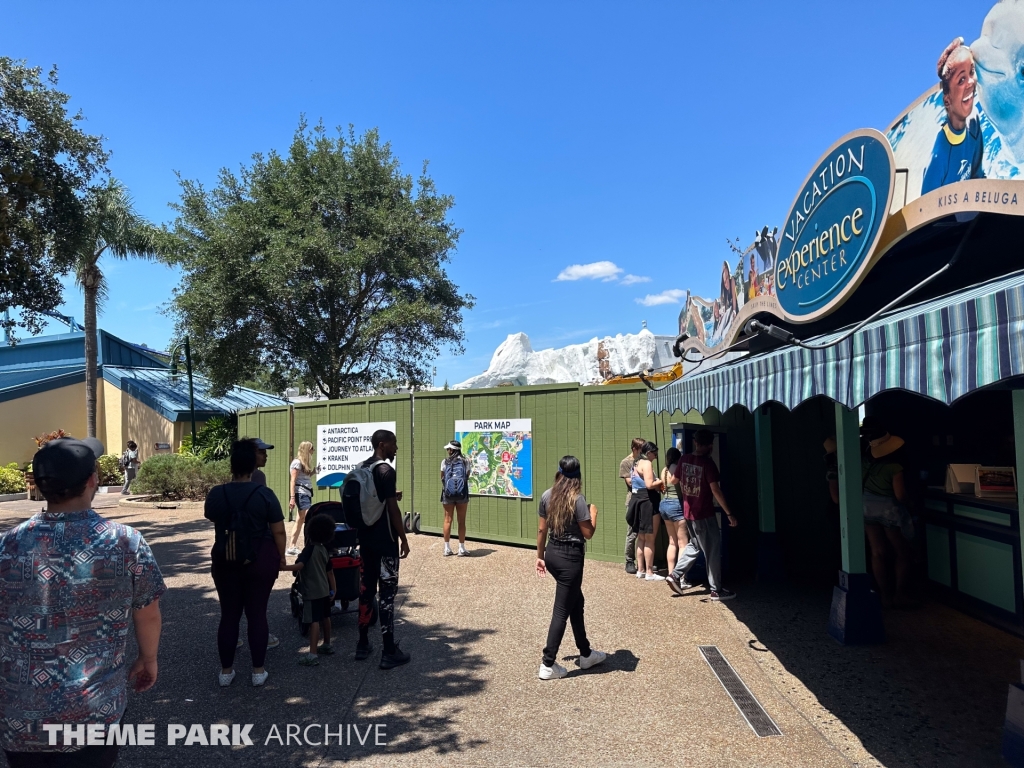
(634,136)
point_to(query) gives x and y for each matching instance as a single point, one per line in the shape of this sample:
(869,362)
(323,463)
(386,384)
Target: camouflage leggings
(379,570)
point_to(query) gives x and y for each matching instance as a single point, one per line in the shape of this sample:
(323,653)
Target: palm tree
(112,227)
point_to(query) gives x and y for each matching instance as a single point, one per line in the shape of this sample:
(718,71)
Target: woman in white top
(300,491)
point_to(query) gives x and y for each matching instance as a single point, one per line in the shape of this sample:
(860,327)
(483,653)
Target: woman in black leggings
(566,522)
(247,555)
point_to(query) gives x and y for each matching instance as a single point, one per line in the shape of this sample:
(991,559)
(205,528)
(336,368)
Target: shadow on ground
(414,703)
(905,699)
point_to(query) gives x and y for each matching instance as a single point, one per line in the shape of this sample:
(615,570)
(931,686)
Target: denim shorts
(671,509)
(302,501)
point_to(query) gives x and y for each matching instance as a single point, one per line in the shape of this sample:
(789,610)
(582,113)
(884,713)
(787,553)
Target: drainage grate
(741,696)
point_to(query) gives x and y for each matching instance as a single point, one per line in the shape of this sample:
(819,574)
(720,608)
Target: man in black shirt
(379,548)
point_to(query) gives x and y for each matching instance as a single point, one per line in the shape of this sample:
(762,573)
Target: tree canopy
(325,266)
(46,164)
(112,227)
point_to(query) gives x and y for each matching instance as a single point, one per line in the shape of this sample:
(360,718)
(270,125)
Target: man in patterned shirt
(71,584)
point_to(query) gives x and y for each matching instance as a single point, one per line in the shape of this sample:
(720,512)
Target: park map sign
(956,151)
(500,452)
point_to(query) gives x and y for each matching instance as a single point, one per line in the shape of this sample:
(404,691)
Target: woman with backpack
(247,554)
(129,465)
(300,494)
(455,494)
(566,523)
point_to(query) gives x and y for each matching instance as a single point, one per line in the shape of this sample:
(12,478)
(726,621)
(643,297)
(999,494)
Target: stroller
(345,560)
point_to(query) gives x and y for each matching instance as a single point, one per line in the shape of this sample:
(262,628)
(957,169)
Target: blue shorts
(303,502)
(671,509)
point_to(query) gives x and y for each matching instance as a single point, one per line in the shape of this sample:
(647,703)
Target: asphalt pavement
(933,695)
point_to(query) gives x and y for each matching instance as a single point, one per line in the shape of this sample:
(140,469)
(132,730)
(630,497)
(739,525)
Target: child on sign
(316,583)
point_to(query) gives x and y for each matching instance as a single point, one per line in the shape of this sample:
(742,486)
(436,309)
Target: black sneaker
(722,594)
(363,652)
(630,567)
(396,658)
(673,584)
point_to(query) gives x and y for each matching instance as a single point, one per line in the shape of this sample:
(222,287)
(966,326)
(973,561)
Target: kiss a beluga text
(218,735)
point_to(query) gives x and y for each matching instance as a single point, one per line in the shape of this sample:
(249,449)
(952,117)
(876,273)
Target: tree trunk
(89,287)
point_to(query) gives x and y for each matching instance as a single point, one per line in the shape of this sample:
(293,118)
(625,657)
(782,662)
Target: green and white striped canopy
(943,349)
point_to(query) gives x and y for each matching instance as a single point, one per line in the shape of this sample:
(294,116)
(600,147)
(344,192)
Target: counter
(974,555)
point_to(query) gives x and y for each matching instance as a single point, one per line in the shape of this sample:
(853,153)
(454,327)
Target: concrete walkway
(933,695)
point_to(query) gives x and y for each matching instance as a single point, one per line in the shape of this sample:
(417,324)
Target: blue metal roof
(64,349)
(47,362)
(167,393)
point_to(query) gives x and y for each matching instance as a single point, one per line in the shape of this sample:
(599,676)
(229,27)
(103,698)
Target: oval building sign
(834,225)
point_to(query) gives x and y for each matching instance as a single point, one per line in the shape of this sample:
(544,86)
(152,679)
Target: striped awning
(942,349)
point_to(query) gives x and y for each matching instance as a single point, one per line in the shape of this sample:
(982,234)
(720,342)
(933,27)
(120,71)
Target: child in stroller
(343,551)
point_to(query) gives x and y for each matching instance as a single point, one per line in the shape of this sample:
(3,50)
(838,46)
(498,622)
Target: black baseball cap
(65,463)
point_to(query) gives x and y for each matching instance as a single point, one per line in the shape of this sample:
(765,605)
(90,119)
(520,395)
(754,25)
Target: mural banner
(956,151)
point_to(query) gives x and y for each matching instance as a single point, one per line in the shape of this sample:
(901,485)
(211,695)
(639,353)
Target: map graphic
(500,452)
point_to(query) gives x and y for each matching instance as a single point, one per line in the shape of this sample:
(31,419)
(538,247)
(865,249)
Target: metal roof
(43,363)
(943,349)
(167,393)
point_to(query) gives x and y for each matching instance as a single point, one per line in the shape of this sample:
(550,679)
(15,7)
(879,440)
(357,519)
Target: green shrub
(213,439)
(12,479)
(110,470)
(176,476)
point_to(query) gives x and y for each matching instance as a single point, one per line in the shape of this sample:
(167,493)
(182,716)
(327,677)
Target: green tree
(327,263)
(111,227)
(46,164)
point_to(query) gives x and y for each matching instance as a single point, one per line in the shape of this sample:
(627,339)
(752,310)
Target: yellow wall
(108,417)
(119,418)
(26,417)
(145,426)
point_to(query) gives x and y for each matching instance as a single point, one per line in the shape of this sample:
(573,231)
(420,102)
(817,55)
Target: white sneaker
(655,577)
(448,551)
(641,575)
(273,641)
(462,551)
(292,551)
(553,672)
(259,678)
(225,680)
(595,658)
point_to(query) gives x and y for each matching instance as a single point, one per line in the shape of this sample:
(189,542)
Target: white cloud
(606,271)
(671,296)
(634,279)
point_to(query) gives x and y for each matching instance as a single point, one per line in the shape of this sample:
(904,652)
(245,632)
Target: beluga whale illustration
(999,63)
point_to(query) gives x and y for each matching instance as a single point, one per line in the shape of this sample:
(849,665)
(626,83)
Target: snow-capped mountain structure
(515,362)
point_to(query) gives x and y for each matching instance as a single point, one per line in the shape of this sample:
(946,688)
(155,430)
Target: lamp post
(188,371)
(191,395)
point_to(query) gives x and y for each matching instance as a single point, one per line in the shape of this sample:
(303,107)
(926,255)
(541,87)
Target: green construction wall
(272,425)
(596,424)
(396,408)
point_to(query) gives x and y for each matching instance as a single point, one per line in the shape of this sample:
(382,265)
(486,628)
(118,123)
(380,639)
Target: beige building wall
(119,418)
(24,418)
(145,426)
(108,417)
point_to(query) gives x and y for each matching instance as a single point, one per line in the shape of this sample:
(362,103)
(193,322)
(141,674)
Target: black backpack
(237,545)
